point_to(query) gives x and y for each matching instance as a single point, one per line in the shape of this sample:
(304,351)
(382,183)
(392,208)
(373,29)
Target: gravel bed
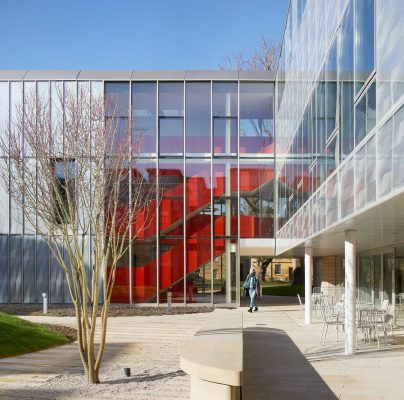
(70,333)
(145,383)
(114,311)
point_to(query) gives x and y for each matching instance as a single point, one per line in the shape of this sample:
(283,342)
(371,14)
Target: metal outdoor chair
(370,324)
(389,319)
(300,302)
(330,318)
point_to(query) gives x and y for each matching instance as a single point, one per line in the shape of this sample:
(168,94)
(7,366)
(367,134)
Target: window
(198,118)
(117,112)
(225,118)
(144,110)
(278,269)
(345,68)
(171,118)
(365,114)
(331,90)
(256,118)
(364,26)
(63,190)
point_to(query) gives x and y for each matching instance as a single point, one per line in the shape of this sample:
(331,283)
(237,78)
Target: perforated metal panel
(347,198)
(384,158)
(15,262)
(29,269)
(360,180)
(398,149)
(4,269)
(332,200)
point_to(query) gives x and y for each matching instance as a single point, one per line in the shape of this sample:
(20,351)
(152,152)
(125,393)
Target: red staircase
(198,234)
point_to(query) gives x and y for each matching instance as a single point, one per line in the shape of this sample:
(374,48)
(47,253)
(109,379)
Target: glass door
(383,278)
(388,277)
(365,278)
(377,280)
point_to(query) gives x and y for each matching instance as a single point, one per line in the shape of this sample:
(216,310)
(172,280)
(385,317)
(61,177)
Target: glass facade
(206,147)
(339,84)
(220,174)
(333,101)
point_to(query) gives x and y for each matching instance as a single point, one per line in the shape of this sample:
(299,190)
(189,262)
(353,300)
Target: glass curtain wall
(211,166)
(334,111)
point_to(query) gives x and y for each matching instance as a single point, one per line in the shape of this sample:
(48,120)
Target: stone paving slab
(283,358)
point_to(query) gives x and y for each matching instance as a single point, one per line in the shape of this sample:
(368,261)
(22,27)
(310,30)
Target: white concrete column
(350,292)
(308,273)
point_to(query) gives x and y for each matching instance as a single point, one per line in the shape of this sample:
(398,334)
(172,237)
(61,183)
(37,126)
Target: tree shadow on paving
(274,368)
(61,360)
(146,378)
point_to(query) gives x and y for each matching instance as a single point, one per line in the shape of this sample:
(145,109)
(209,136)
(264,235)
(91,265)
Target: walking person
(252,283)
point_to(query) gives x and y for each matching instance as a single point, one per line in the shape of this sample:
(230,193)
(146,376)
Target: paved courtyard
(283,360)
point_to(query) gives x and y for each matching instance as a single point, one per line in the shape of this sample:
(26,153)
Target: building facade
(340,135)
(332,125)
(207,145)
(340,138)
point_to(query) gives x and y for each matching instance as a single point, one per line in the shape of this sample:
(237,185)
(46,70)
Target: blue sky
(133,34)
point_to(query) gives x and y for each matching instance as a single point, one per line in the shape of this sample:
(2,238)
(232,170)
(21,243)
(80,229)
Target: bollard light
(169,299)
(45,303)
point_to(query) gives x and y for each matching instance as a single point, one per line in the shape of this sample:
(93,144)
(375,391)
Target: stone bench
(214,357)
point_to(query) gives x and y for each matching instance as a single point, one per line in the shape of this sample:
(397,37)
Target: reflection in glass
(371,108)
(224,99)
(364,41)
(171,136)
(171,99)
(198,117)
(256,118)
(144,115)
(331,89)
(171,177)
(225,136)
(345,56)
(256,200)
(171,112)
(360,120)
(117,99)
(198,189)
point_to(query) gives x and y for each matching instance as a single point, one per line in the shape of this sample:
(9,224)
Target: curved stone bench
(214,357)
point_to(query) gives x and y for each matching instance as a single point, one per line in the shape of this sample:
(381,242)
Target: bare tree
(265,57)
(76,174)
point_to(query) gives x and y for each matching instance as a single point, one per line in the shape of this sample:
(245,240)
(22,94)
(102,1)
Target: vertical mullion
(130,191)
(212,240)
(158,196)
(184,201)
(9,195)
(23,198)
(238,199)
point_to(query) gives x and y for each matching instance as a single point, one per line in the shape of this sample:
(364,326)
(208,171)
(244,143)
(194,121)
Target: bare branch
(264,58)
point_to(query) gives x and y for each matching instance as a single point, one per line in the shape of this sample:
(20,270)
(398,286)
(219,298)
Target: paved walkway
(283,360)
